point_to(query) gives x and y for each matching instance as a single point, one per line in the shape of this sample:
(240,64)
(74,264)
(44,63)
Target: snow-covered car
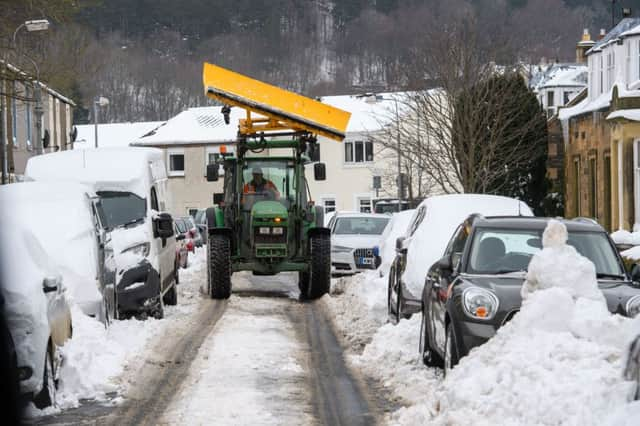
(133,198)
(475,288)
(182,253)
(397,227)
(63,216)
(355,241)
(426,238)
(36,308)
(201,222)
(192,229)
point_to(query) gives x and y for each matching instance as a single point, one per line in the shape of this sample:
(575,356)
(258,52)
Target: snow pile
(559,361)
(397,227)
(443,215)
(95,356)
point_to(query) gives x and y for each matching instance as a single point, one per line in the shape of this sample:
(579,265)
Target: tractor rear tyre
(219,273)
(320,272)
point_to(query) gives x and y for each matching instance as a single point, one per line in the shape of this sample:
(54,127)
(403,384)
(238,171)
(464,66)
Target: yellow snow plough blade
(283,109)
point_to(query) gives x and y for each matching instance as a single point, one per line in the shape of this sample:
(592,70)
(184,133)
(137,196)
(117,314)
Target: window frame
(351,149)
(176,173)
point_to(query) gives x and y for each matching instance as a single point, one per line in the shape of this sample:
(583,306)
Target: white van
(131,184)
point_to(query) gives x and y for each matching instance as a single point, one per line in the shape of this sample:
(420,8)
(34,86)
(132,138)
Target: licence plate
(366,261)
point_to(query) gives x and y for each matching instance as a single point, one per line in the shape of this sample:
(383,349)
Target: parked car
(70,232)
(201,222)
(425,240)
(355,240)
(132,200)
(183,228)
(36,308)
(182,253)
(193,231)
(475,288)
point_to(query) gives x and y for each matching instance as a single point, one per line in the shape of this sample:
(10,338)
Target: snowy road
(262,357)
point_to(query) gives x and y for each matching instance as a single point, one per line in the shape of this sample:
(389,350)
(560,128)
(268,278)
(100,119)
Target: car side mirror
(163,226)
(50,285)
(445,264)
(213,172)
(400,248)
(635,273)
(320,171)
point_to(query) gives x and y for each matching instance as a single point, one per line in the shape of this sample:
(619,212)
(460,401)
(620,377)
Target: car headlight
(141,249)
(479,303)
(632,308)
(340,249)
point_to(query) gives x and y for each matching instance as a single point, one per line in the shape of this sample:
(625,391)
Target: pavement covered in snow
(559,361)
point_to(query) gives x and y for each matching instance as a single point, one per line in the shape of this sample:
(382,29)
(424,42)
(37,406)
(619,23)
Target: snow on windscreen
(443,215)
(397,227)
(362,225)
(59,218)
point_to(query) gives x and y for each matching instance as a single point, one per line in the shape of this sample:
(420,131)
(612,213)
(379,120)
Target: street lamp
(31,26)
(101,101)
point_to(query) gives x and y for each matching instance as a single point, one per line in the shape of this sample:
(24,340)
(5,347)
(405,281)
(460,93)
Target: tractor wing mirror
(320,171)
(213,172)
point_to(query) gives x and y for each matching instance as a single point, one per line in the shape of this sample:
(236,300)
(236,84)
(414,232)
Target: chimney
(583,46)
(603,33)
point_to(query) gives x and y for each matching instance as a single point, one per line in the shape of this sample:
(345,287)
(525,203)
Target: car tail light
(190,245)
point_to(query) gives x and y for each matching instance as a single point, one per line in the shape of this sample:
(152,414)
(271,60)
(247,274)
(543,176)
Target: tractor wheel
(219,266)
(303,283)
(320,276)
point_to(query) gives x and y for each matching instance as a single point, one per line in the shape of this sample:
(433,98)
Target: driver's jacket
(252,187)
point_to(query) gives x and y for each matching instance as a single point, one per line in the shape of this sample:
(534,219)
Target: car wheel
(429,357)
(392,316)
(176,271)
(158,311)
(450,350)
(171,297)
(47,395)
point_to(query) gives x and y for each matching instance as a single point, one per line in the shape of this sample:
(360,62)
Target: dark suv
(475,288)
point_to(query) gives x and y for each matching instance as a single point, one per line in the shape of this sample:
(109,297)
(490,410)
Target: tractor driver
(260,185)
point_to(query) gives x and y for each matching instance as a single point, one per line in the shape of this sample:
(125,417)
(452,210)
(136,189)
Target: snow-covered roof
(629,114)
(205,125)
(112,135)
(103,168)
(202,125)
(601,102)
(49,90)
(624,26)
(563,75)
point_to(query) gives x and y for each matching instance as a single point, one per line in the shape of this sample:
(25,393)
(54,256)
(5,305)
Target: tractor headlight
(479,303)
(632,308)
(265,230)
(278,231)
(141,249)
(340,249)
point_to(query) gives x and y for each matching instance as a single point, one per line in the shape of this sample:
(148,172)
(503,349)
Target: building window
(550,100)
(329,205)
(27,115)
(566,97)
(358,152)
(14,115)
(576,186)
(593,188)
(176,162)
(607,191)
(364,205)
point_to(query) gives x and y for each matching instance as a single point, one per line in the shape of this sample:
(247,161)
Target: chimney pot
(603,33)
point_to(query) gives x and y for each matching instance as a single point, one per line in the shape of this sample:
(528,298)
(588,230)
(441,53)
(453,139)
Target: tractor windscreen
(268,180)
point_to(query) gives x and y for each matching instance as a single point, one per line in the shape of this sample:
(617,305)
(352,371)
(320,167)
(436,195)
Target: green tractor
(265,221)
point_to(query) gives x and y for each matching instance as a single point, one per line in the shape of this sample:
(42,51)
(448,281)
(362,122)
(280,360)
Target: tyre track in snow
(167,367)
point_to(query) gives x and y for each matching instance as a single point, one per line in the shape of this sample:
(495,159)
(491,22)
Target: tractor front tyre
(320,271)
(219,273)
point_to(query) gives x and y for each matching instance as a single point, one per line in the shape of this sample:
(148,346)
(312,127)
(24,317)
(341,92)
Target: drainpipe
(620,187)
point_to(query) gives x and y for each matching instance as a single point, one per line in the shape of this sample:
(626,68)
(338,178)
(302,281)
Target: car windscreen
(360,225)
(121,209)
(495,251)
(181,225)
(201,217)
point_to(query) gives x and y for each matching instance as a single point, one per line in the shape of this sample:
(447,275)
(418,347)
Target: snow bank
(396,227)
(626,237)
(443,215)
